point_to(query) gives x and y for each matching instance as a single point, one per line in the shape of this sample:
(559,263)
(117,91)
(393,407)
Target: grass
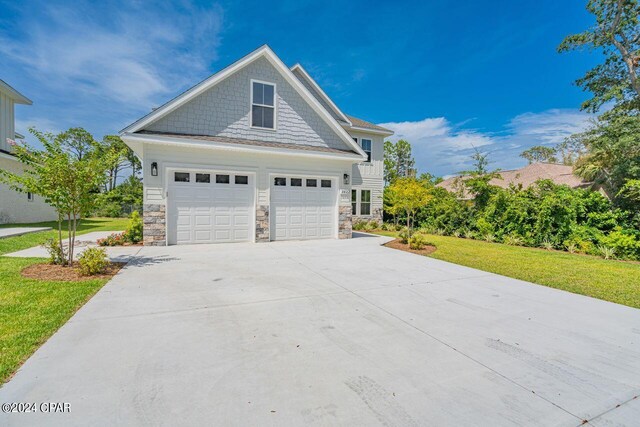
(13,244)
(32,310)
(609,280)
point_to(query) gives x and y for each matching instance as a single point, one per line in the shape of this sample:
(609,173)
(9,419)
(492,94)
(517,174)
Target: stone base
(344,222)
(375,216)
(262,223)
(154,225)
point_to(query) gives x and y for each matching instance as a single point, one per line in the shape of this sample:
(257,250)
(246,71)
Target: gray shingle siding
(224,111)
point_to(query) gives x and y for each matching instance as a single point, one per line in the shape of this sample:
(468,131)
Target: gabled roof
(343,119)
(262,52)
(17,97)
(526,176)
(317,91)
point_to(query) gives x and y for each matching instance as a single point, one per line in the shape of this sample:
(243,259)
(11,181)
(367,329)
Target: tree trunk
(69,248)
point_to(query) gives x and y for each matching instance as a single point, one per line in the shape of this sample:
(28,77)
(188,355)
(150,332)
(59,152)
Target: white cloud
(442,148)
(130,55)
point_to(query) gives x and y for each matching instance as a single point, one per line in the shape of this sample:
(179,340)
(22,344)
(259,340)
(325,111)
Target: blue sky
(446,75)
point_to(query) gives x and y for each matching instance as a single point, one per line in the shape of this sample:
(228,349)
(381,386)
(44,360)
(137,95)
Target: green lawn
(32,310)
(12,244)
(610,280)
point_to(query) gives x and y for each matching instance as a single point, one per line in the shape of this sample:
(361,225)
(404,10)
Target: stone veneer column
(344,222)
(154,225)
(262,223)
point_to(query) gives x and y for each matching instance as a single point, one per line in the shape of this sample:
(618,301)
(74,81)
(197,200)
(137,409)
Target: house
(16,207)
(256,152)
(524,177)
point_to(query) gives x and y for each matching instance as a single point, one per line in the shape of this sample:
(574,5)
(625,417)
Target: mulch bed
(397,244)
(67,274)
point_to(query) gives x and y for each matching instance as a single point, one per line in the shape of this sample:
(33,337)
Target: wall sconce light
(154,169)
(345,178)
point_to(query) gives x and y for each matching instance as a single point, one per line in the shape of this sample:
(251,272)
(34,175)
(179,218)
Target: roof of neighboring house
(228,140)
(17,97)
(526,176)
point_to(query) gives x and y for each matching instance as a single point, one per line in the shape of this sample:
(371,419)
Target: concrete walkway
(83,241)
(331,333)
(19,231)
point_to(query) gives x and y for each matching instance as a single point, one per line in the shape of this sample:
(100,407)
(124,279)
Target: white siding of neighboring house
(14,206)
(224,110)
(370,176)
(7,121)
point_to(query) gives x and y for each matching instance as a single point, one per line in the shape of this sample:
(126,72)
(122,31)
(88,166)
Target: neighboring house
(16,207)
(256,152)
(524,177)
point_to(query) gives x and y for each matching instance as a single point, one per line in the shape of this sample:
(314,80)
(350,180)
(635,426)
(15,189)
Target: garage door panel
(303,212)
(211,213)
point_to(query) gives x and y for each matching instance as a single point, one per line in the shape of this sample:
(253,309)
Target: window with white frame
(365,202)
(366,147)
(354,202)
(263,105)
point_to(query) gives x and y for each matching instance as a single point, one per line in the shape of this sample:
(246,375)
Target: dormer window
(263,105)
(366,147)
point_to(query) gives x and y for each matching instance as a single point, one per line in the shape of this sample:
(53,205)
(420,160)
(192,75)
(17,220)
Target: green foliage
(56,251)
(540,153)
(615,34)
(418,241)
(625,243)
(398,161)
(114,239)
(121,199)
(404,236)
(409,195)
(92,261)
(134,229)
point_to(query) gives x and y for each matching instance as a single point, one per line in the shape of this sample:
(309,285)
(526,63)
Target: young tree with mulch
(66,173)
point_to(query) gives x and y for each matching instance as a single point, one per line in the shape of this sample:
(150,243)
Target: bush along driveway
(610,280)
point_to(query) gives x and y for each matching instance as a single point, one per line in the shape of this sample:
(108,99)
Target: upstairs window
(263,105)
(366,147)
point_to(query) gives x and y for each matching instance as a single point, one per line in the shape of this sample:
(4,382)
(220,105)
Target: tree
(398,161)
(408,195)
(617,35)
(540,153)
(67,174)
(125,159)
(477,180)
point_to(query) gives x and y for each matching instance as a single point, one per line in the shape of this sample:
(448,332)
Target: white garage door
(303,208)
(210,207)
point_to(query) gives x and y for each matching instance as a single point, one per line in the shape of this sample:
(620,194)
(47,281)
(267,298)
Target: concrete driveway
(331,333)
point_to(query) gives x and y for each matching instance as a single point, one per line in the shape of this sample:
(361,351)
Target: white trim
(360,202)
(197,143)
(370,156)
(266,52)
(367,130)
(274,106)
(16,96)
(317,87)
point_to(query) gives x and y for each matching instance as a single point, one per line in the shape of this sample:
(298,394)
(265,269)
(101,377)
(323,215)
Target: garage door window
(365,202)
(296,182)
(222,179)
(203,178)
(312,183)
(242,179)
(280,182)
(181,177)
(325,183)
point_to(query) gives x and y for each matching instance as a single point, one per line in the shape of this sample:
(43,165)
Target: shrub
(572,248)
(489,237)
(455,233)
(624,243)
(513,240)
(547,244)
(606,252)
(404,235)
(418,241)
(468,234)
(115,239)
(134,229)
(92,261)
(56,252)
(359,225)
